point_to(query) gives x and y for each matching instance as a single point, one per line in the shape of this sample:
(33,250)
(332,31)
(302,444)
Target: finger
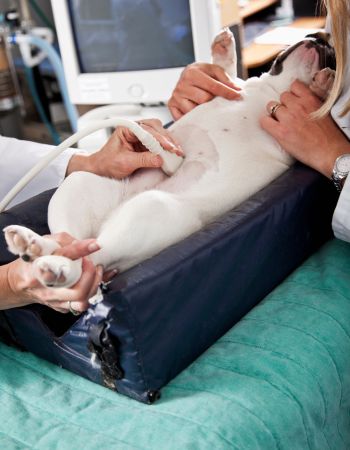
(79,249)
(221,75)
(79,307)
(197,95)
(200,72)
(217,83)
(126,135)
(184,105)
(288,98)
(271,126)
(96,282)
(300,89)
(164,139)
(175,112)
(144,160)
(57,306)
(62,238)
(269,107)
(109,275)
(162,135)
(154,123)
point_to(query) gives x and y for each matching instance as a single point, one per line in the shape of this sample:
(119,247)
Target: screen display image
(161,35)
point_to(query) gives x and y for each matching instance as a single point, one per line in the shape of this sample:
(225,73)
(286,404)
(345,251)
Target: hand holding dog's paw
(68,267)
(24,288)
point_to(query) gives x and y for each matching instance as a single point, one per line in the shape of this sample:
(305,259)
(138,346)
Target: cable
(31,83)
(40,13)
(171,161)
(56,63)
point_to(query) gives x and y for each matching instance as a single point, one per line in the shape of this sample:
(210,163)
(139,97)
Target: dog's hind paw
(28,245)
(57,271)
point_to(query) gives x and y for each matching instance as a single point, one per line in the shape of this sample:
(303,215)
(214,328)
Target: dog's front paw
(223,43)
(223,50)
(29,245)
(57,271)
(322,83)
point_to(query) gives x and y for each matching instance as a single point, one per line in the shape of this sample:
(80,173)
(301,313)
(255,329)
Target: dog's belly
(223,141)
(202,156)
(228,156)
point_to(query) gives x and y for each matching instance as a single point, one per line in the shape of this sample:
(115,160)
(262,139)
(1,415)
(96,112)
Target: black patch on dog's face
(317,40)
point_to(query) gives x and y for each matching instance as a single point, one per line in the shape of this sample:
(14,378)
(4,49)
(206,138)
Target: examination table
(280,378)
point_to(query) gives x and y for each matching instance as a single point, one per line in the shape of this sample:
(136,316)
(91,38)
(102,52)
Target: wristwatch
(341,170)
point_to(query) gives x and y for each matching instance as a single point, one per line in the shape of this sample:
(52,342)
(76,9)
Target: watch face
(343,163)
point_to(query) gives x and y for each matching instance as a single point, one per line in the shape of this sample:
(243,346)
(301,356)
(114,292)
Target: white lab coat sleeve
(17,157)
(341,216)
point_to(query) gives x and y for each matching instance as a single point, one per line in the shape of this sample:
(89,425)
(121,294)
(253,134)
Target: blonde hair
(338,10)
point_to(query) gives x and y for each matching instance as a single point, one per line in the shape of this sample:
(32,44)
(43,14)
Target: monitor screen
(161,34)
(131,51)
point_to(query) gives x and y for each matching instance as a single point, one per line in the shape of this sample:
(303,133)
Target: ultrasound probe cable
(171,161)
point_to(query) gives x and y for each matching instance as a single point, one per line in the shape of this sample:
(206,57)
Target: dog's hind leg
(142,227)
(81,204)
(223,52)
(137,230)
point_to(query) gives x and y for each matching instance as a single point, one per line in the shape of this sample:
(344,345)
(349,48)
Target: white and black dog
(228,157)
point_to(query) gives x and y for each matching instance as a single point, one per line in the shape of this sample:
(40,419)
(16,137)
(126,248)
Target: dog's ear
(327,55)
(277,65)
(321,37)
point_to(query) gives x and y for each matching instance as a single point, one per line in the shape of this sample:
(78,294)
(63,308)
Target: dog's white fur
(228,157)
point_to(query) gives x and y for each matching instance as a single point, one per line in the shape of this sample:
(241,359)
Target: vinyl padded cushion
(162,314)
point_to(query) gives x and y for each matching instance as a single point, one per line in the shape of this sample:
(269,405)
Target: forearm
(8,296)
(18,157)
(80,162)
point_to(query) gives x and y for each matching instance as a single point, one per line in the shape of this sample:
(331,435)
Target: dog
(228,158)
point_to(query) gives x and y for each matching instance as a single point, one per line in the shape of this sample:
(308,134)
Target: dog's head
(304,59)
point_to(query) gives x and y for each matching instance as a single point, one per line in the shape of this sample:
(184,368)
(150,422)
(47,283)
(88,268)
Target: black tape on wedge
(105,349)
(159,316)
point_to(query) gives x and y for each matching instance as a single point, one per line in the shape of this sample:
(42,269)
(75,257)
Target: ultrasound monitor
(131,51)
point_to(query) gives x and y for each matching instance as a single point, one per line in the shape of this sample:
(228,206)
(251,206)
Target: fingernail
(99,271)
(93,247)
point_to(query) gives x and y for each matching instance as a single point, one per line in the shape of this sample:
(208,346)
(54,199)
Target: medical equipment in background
(10,97)
(42,39)
(35,45)
(171,161)
(128,56)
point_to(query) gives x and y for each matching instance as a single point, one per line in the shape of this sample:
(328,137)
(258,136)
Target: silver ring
(274,110)
(72,310)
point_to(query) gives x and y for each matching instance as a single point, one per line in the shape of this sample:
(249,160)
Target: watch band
(340,171)
(338,181)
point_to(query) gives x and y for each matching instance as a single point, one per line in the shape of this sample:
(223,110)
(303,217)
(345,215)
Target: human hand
(24,289)
(199,83)
(315,142)
(123,153)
